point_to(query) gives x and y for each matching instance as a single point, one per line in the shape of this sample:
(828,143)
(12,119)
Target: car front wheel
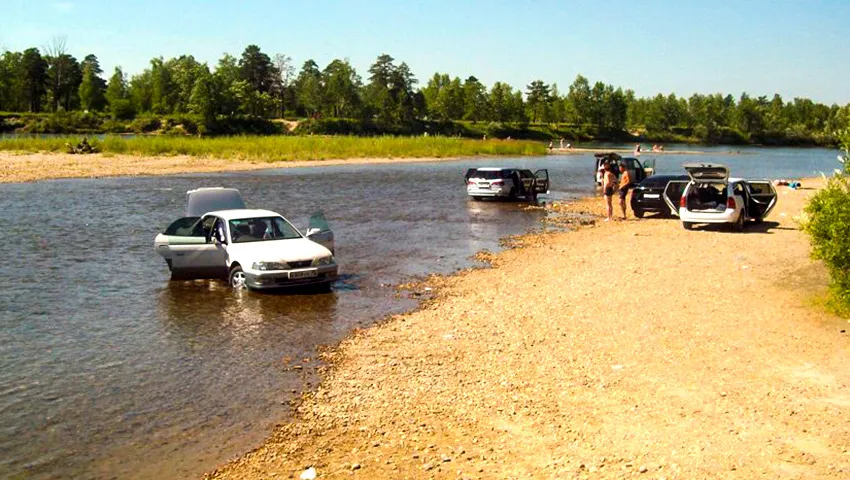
(237,277)
(688,225)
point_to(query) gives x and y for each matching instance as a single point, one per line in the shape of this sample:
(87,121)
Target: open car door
(469,174)
(320,231)
(541,183)
(190,250)
(673,195)
(761,199)
(648,169)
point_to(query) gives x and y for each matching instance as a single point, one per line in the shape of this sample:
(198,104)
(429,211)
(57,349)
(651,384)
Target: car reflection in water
(210,310)
(492,220)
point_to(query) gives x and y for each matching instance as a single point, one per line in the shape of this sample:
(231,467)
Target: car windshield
(244,230)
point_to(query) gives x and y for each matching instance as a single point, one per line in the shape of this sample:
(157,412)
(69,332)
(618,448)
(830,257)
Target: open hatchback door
(703,172)
(320,231)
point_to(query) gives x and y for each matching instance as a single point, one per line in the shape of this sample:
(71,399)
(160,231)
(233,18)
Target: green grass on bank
(284,148)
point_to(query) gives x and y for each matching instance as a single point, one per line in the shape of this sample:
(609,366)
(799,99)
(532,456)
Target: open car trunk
(707,197)
(761,199)
(205,200)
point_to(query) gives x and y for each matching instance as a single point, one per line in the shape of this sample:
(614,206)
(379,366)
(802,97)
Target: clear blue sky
(794,48)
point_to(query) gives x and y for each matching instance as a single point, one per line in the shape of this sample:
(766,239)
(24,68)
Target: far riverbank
(22,166)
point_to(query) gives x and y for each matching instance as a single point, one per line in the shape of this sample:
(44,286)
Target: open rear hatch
(704,172)
(205,200)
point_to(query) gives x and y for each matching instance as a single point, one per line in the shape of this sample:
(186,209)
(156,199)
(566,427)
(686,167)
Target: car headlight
(264,266)
(322,261)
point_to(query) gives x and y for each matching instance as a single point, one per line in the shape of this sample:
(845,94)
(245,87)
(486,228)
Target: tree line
(257,85)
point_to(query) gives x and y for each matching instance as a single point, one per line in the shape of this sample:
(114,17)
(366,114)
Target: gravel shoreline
(629,349)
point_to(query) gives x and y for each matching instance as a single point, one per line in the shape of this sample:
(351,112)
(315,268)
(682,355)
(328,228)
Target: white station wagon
(258,249)
(712,197)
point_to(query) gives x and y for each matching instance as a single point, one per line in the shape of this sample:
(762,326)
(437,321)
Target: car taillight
(730,203)
(683,202)
(470,182)
(497,182)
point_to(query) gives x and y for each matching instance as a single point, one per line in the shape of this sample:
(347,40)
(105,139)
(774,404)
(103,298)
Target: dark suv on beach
(649,196)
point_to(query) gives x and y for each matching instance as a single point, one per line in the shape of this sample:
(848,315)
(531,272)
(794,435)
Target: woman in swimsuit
(608,182)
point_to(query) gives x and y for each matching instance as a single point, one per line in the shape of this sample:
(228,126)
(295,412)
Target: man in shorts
(624,186)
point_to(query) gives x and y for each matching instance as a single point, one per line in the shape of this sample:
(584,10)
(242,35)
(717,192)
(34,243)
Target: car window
(488,174)
(186,227)
(207,225)
(739,189)
(245,230)
(760,188)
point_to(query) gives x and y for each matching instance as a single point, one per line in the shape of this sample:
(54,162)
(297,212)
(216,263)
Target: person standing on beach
(625,185)
(608,182)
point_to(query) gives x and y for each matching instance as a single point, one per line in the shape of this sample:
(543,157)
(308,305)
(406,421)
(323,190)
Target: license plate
(651,195)
(304,274)
(484,185)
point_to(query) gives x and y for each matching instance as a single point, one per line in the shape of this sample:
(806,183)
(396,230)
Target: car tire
(758,220)
(512,193)
(688,225)
(476,199)
(638,213)
(738,226)
(236,279)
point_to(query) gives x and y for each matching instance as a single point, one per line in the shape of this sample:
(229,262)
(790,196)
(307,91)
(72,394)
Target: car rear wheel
(638,213)
(738,226)
(476,199)
(237,277)
(688,225)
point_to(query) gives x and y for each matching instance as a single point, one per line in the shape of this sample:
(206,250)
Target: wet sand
(617,350)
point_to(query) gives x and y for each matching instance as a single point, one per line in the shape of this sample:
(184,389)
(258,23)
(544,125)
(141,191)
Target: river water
(108,369)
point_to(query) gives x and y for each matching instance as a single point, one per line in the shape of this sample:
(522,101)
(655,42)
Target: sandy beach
(30,167)
(631,349)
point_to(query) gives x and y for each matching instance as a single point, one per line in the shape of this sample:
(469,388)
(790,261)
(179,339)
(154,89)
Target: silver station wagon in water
(257,249)
(506,183)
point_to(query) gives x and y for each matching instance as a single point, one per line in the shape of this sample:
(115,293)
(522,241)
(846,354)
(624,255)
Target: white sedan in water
(253,248)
